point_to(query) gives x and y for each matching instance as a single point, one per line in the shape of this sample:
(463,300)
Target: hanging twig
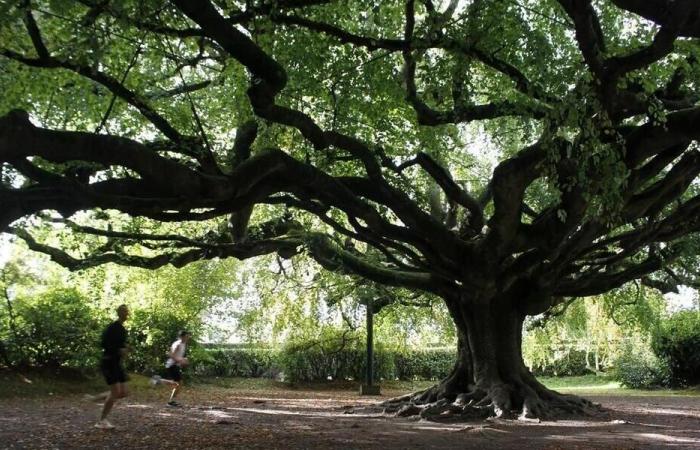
(131,65)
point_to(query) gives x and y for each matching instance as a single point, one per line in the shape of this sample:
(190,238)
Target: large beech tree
(360,133)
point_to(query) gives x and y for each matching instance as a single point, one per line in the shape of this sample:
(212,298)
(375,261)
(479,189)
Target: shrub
(570,362)
(237,362)
(638,368)
(314,360)
(339,356)
(57,328)
(429,364)
(677,343)
(315,364)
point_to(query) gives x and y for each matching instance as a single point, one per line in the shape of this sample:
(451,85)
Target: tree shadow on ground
(222,418)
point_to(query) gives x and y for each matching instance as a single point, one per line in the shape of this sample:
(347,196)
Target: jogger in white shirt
(173,366)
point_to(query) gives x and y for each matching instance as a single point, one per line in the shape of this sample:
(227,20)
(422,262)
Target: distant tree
(231,129)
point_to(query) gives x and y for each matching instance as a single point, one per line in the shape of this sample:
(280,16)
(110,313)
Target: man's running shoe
(104,425)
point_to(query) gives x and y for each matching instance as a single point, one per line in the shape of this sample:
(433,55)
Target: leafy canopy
(537,150)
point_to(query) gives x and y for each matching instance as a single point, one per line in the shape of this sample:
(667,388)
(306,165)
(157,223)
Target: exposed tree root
(523,401)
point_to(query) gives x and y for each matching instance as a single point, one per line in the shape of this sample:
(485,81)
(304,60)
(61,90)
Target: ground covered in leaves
(266,414)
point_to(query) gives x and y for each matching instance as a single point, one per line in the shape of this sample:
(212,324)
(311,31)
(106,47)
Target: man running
(114,349)
(173,366)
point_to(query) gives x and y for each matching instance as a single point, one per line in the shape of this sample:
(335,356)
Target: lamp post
(369,388)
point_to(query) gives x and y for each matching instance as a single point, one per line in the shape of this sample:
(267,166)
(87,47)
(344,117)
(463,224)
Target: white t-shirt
(178,350)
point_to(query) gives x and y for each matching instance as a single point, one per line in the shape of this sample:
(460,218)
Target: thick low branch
(666,13)
(343,36)
(661,193)
(160,122)
(597,284)
(235,43)
(588,33)
(462,113)
(176,259)
(508,184)
(649,139)
(453,191)
(20,139)
(250,181)
(34,32)
(334,258)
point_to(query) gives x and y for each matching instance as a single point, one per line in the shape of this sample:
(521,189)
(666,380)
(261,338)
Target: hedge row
(303,363)
(567,364)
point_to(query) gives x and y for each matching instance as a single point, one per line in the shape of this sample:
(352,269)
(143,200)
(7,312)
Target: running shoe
(104,425)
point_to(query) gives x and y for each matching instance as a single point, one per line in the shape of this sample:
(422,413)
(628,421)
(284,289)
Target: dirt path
(219,418)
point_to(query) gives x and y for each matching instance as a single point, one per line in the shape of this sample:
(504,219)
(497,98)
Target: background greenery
(296,324)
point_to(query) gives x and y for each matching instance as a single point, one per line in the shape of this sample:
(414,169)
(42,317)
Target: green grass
(43,383)
(48,383)
(584,382)
(606,385)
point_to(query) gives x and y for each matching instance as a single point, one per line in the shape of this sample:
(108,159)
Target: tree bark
(489,377)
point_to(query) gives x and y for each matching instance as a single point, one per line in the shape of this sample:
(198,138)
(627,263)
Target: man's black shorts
(112,371)
(174,373)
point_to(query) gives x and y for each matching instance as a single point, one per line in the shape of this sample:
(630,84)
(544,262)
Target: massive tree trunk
(489,377)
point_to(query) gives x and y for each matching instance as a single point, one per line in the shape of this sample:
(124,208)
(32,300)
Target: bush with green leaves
(428,364)
(317,360)
(638,368)
(566,362)
(59,328)
(677,343)
(335,354)
(245,362)
(56,328)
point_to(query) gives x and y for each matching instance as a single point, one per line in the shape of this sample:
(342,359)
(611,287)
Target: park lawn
(581,385)
(48,383)
(606,385)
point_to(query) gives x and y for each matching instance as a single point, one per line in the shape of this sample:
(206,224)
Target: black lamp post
(369,388)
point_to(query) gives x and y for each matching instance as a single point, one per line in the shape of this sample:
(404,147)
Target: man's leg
(170,383)
(108,371)
(117,391)
(114,380)
(175,373)
(174,392)
(158,380)
(102,396)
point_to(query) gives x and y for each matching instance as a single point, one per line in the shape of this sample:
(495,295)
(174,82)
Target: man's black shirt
(113,340)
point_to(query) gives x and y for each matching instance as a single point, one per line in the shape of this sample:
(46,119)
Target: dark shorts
(174,373)
(113,371)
